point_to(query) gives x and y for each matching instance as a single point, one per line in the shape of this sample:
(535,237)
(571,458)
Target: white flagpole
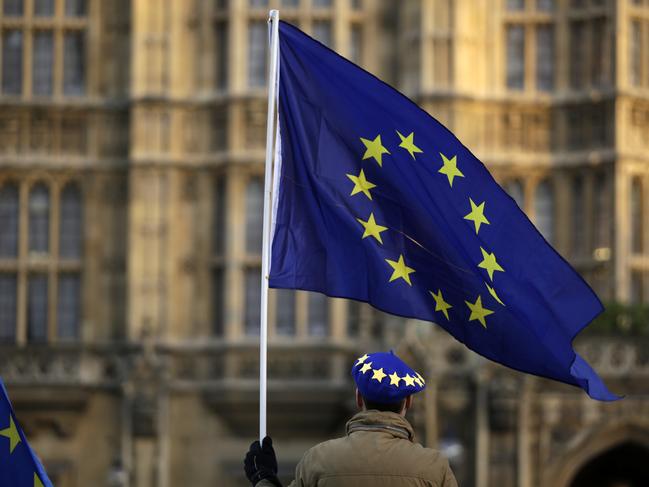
(273,25)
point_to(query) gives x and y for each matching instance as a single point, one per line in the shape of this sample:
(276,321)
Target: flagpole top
(273,15)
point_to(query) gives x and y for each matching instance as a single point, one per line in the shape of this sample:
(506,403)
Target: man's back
(378,451)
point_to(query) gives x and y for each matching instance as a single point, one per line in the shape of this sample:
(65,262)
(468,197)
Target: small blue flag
(19,465)
(379,202)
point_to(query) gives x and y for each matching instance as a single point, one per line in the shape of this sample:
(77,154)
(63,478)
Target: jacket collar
(386,422)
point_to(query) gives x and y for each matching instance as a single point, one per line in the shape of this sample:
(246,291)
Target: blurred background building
(131,151)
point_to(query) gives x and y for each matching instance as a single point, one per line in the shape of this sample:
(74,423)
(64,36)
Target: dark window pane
(637,287)
(43,62)
(515,190)
(44,8)
(578,216)
(218,302)
(545,5)
(221,4)
(545,57)
(357,4)
(252,294)
(285,312)
(602,212)
(599,51)
(544,209)
(221,50)
(75,8)
(353,318)
(74,64)
(39,219)
(37,308)
(637,228)
(9,221)
(515,57)
(322,31)
(322,3)
(71,224)
(68,306)
(259,3)
(290,3)
(13,7)
(577,37)
(257,42)
(356,45)
(12,62)
(254,216)
(8,296)
(219,225)
(318,315)
(515,4)
(635,42)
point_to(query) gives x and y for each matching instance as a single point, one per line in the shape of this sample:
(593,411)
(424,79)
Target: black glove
(260,462)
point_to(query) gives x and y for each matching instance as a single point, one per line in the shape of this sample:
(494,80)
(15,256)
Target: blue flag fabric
(19,465)
(379,202)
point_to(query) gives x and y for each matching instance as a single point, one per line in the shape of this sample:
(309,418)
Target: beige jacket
(378,451)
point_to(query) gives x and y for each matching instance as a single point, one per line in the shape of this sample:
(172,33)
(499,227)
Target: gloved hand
(260,462)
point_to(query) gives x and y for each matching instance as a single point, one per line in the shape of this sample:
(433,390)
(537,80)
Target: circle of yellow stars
(374,149)
(395,379)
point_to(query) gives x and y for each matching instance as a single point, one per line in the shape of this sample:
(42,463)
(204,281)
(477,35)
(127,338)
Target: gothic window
(219,217)
(285,312)
(602,212)
(37,309)
(259,3)
(254,215)
(515,57)
(290,3)
(12,62)
(545,57)
(68,306)
(9,221)
(637,227)
(577,45)
(44,8)
(43,60)
(322,3)
(599,75)
(322,32)
(218,301)
(221,52)
(635,49)
(70,221)
(48,37)
(515,190)
(578,216)
(39,219)
(356,44)
(252,301)
(637,287)
(257,40)
(545,5)
(515,5)
(8,308)
(353,318)
(318,315)
(544,209)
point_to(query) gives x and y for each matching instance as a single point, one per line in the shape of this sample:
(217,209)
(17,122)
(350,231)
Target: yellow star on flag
(408,143)
(420,378)
(410,381)
(372,229)
(440,304)
(450,168)
(401,270)
(394,379)
(367,366)
(477,215)
(362,359)
(489,263)
(37,481)
(378,375)
(361,185)
(478,312)
(492,291)
(374,148)
(12,433)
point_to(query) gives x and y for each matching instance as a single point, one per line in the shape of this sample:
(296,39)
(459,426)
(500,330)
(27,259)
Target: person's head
(384,382)
(399,407)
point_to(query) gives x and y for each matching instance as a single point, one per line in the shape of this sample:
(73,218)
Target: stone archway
(624,465)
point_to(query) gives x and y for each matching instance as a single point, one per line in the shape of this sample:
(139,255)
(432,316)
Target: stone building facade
(131,149)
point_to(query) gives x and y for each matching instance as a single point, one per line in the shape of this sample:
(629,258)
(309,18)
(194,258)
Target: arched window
(544,209)
(9,221)
(515,190)
(39,219)
(70,226)
(254,215)
(637,228)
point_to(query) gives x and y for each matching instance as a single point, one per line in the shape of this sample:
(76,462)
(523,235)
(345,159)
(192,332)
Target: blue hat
(385,378)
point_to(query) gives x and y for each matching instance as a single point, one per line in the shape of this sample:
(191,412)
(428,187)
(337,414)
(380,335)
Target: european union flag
(379,202)
(19,465)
